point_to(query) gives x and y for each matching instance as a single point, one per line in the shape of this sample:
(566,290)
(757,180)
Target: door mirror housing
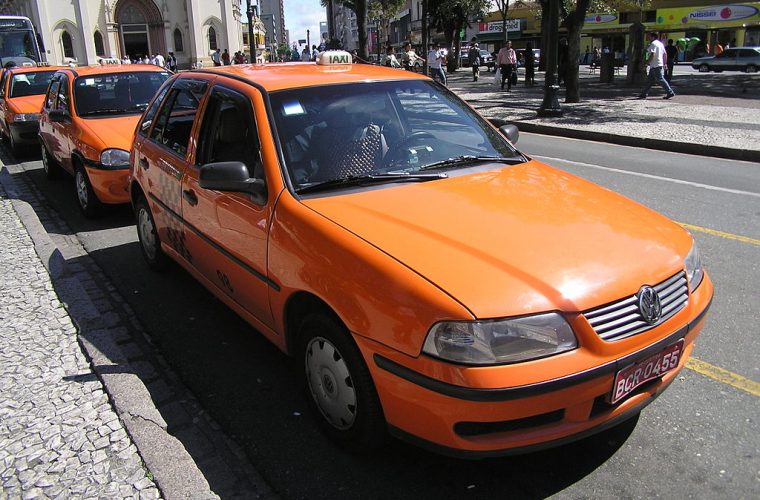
(232,176)
(58,115)
(508,130)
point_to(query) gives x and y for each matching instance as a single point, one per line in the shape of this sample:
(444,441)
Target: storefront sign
(595,19)
(710,14)
(496,26)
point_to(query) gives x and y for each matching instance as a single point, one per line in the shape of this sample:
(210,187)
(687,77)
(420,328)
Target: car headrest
(231,129)
(88,98)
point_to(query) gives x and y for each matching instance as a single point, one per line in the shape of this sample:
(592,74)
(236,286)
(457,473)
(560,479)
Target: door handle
(144,163)
(190,197)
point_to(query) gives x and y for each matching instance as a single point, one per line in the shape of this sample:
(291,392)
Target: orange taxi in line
(22,90)
(431,280)
(87,124)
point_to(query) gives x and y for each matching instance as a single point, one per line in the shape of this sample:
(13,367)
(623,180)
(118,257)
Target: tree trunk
(361,24)
(574,27)
(544,36)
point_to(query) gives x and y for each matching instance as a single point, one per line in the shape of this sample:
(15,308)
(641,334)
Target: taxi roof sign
(334,58)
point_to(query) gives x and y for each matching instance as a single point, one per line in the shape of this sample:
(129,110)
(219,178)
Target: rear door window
(175,119)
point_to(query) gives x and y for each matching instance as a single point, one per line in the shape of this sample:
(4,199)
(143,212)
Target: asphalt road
(700,439)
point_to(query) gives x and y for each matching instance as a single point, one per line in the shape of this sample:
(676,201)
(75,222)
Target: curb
(638,142)
(173,469)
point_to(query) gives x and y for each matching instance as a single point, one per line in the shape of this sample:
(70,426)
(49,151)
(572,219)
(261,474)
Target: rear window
(116,93)
(36,83)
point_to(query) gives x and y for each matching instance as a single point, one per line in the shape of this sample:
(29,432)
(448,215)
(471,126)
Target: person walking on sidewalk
(435,60)
(507,61)
(655,62)
(474,58)
(672,52)
(530,64)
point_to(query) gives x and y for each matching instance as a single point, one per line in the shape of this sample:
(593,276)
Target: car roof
(33,69)
(114,68)
(281,76)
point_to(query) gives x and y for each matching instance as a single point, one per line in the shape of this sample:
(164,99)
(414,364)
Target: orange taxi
(430,279)
(86,127)
(22,90)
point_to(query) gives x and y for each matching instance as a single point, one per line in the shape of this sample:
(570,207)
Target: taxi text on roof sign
(333,57)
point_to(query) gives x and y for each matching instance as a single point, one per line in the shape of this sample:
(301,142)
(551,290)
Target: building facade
(85,31)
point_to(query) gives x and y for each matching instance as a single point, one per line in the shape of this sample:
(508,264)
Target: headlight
(114,158)
(500,341)
(26,117)
(693,265)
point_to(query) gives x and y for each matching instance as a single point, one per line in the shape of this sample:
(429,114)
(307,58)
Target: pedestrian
(314,53)
(390,58)
(672,52)
(474,58)
(435,59)
(507,60)
(226,58)
(530,64)
(562,60)
(305,54)
(239,58)
(171,62)
(655,59)
(216,57)
(408,56)
(159,60)
(718,49)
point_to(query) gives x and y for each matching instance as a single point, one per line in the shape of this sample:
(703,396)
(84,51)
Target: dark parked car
(745,59)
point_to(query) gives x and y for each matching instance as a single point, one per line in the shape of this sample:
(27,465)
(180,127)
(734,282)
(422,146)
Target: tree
(360,9)
(450,17)
(385,10)
(503,6)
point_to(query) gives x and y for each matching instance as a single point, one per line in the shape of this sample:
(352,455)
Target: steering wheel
(394,155)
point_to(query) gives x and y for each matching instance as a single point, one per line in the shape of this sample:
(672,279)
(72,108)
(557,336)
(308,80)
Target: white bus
(18,42)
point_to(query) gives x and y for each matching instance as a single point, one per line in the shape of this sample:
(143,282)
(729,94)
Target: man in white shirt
(434,59)
(655,61)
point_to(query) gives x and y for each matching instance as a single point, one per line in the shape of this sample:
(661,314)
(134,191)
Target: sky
(301,15)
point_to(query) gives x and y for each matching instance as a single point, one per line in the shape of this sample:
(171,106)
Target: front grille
(622,319)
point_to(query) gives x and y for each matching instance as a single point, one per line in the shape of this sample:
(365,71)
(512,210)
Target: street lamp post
(251,11)
(550,105)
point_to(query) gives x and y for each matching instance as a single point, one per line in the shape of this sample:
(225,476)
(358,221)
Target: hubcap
(45,160)
(81,189)
(330,383)
(147,233)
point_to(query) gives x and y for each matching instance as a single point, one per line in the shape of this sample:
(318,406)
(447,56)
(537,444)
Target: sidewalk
(713,114)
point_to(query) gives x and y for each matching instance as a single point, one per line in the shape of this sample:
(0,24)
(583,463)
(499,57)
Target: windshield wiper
(359,180)
(107,111)
(468,159)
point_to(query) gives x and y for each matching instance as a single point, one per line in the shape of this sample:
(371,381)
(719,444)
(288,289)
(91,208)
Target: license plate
(631,377)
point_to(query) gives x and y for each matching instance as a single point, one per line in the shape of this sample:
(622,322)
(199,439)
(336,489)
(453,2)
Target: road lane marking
(650,176)
(728,236)
(723,376)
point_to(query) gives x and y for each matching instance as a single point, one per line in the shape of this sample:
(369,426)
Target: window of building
(68,45)
(178,45)
(212,38)
(99,48)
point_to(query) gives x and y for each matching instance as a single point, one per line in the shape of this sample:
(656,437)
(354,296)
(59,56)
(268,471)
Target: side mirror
(232,176)
(511,132)
(58,115)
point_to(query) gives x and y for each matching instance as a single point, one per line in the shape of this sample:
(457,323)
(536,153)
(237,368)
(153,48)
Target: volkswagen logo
(649,304)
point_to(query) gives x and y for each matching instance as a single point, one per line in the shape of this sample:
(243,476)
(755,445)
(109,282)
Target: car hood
(26,104)
(111,131)
(516,240)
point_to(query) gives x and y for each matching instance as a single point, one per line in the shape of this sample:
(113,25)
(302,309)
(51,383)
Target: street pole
(550,105)
(377,40)
(308,42)
(251,42)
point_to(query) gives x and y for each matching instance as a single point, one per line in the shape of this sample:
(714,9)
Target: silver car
(745,59)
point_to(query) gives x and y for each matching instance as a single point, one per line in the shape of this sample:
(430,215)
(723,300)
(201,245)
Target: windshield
(35,83)
(400,127)
(18,46)
(116,93)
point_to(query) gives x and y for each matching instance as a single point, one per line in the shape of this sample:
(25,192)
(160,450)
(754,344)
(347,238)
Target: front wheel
(150,244)
(704,68)
(89,203)
(751,69)
(338,384)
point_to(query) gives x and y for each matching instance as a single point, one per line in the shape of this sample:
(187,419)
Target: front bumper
(111,185)
(24,133)
(437,405)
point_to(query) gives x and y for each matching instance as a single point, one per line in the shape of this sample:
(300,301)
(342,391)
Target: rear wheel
(704,68)
(150,244)
(751,68)
(89,203)
(338,384)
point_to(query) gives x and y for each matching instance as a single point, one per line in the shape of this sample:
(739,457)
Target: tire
(87,200)
(338,384)
(751,68)
(150,244)
(704,68)
(52,168)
